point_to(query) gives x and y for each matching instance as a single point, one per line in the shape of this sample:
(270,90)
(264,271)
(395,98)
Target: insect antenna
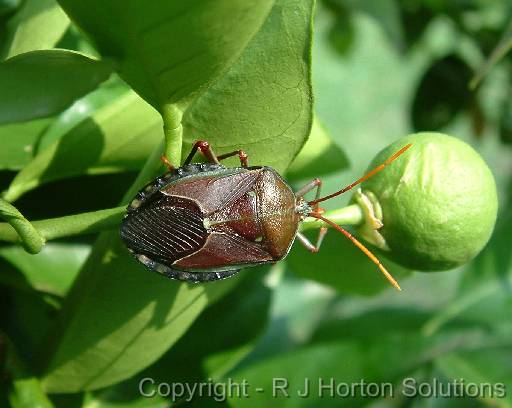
(358,244)
(365,177)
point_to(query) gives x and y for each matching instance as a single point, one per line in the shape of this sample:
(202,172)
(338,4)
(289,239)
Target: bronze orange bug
(204,221)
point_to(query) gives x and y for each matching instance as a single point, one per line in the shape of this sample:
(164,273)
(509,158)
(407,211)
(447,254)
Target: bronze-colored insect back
(204,222)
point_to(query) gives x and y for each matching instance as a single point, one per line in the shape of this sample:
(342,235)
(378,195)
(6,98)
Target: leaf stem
(78,224)
(173,139)
(173,131)
(349,215)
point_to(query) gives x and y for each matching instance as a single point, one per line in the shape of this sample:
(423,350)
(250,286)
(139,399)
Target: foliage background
(73,143)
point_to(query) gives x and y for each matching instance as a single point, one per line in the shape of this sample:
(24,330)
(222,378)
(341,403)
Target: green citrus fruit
(438,201)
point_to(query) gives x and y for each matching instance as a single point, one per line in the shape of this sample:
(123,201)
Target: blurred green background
(381,69)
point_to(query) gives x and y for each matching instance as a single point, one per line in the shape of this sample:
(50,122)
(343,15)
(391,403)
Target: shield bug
(204,221)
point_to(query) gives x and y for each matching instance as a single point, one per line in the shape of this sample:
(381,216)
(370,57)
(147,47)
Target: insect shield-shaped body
(204,222)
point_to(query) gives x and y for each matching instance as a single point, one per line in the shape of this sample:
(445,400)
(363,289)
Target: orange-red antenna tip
(398,153)
(365,177)
(390,278)
(358,244)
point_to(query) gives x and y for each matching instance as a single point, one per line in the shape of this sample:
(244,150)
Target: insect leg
(365,250)
(316,183)
(241,155)
(166,162)
(307,243)
(205,148)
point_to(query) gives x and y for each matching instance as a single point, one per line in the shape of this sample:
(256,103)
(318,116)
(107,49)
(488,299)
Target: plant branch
(78,224)
(23,230)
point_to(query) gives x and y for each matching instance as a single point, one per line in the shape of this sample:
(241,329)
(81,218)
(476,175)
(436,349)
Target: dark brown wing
(214,192)
(164,229)
(225,251)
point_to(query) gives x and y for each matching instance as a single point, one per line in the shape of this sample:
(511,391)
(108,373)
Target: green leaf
(167,51)
(442,94)
(24,390)
(117,137)
(388,357)
(107,93)
(233,325)
(41,83)
(237,321)
(118,397)
(122,312)
(361,325)
(298,306)
(51,271)
(27,393)
(75,39)
(320,155)
(493,379)
(39,24)
(19,141)
(341,360)
(8,6)
(263,103)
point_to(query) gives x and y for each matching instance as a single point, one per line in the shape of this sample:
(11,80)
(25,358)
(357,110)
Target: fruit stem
(349,215)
